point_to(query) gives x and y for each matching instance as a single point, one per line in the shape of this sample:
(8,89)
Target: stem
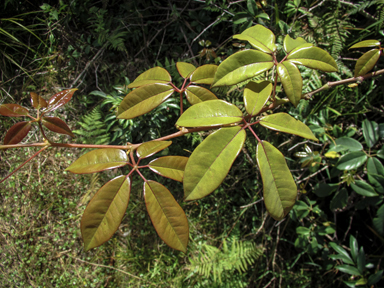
(254,134)
(42,132)
(181,103)
(25,162)
(141,175)
(274,89)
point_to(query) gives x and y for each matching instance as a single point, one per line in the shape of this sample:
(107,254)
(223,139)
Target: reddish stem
(141,175)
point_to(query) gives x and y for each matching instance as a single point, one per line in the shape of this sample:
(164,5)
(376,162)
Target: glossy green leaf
(256,95)
(361,261)
(292,82)
(380,153)
(370,132)
(13,110)
(17,133)
(210,162)
(290,44)
(197,94)
(167,216)
(374,278)
(283,122)
(348,269)
(363,188)
(279,188)
(104,212)
(185,69)
(366,43)
(342,254)
(366,62)
(242,66)
(259,37)
(351,160)
(210,113)
(151,76)
(99,160)
(313,57)
(354,247)
(149,148)
(57,125)
(378,222)
(143,99)
(346,143)
(374,166)
(204,74)
(38,101)
(169,166)
(60,99)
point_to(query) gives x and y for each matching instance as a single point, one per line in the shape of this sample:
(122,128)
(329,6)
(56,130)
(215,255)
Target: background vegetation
(332,238)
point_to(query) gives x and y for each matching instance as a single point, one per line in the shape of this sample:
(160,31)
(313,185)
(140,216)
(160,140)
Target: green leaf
(348,269)
(211,160)
(378,222)
(167,216)
(363,188)
(370,132)
(259,37)
(149,148)
(197,94)
(351,160)
(313,57)
(366,62)
(380,153)
(291,79)
(303,230)
(242,66)
(256,95)
(57,125)
(204,74)
(340,200)
(185,69)
(283,122)
(354,247)
(342,252)
(324,189)
(151,76)
(13,110)
(373,279)
(279,188)
(38,101)
(366,43)
(290,44)
(17,133)
(361,260)
(346,143)
(143,99)
(210,113)
(99,160)
(169,166)
(105,211)
(374,166)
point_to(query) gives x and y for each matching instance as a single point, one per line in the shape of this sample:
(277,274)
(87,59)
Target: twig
(270,282)
(189,46)
(245,206)
(310,176)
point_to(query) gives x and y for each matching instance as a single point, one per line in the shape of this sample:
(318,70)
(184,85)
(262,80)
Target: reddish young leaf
(60,99)
(17,133)
(38,101)
(57,125)
(13,110)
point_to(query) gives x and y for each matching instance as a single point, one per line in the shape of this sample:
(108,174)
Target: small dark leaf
(57,125)
(13,110)
(38,101)
(60,99)
(17,133)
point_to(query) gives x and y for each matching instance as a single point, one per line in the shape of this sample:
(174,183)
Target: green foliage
(217,263)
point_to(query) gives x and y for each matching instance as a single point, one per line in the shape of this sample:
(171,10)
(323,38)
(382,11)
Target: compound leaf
(151,76)
(197,94)
(283,122)
(291,79)
(204,74)
(167,216)
(279,188)
(210,162)
(149,148)
(259,37)
(256,95)
(143,99)
(313,57)
(366,62)
(169,166)
(99,160)
(57,125)
(241,66)
(13,110)
(104,212)
(210,113)
(17,133)
(185,69)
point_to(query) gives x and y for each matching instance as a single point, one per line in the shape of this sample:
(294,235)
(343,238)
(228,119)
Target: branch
(341,82)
